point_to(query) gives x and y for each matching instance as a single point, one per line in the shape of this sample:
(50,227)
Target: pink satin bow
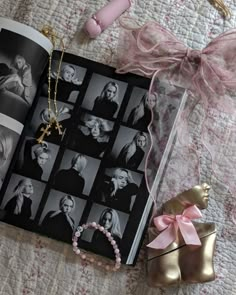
(154,51)
(169,225)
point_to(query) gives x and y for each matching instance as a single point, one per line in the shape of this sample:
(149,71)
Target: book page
(23,56)
(95,171)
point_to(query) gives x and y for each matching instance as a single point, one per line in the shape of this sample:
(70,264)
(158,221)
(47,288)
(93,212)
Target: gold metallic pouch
(180,263)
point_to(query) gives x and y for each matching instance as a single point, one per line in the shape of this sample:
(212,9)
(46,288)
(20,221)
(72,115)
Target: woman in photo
(68,82)
(132,153)
(109,219)
(140,117)
(107,103)
(6,144)
(92,138)
(68,74)
(17,79)
(119,191)
(47,116)
(59,224)
(33,167)
(20,203)
(71,180)
(23,70)
(5,74)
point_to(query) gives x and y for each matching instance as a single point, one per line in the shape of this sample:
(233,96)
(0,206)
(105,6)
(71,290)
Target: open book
(94,171)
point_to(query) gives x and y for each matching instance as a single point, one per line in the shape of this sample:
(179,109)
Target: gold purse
(181,263)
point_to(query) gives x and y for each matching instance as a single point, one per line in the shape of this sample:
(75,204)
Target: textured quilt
(32,264)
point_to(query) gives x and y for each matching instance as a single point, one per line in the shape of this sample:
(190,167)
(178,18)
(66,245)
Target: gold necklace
(221,7)
(53,123)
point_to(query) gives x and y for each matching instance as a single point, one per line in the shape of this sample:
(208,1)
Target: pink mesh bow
(155,52)
(169,225)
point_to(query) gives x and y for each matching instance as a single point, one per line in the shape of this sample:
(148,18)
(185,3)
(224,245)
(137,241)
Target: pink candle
(105,17)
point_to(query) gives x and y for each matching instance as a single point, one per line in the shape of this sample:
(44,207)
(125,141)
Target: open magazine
(94,171)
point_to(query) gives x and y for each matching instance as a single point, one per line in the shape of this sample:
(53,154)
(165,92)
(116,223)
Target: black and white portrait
(76,173)
(42,116)
(91,136)
(70,73)
(139,110)
(104,96)
(70,78)
(8,142)
(165,111)
(36,160)
(118,188)
(61,215)
(20,72)
(130,148)
(22,197)
(164,116)
(17,79)
(113,221)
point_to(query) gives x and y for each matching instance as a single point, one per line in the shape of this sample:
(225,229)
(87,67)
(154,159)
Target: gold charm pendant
(45,132)
(58,127)
(221,7)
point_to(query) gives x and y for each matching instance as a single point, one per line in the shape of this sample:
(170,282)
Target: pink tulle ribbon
(169,225)
(155,52)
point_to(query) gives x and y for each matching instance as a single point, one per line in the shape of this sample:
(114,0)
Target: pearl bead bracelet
(83,256)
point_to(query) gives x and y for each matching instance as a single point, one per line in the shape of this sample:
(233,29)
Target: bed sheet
(32,264)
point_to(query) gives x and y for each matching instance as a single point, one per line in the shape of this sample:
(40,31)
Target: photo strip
(22,198)
(61,215)
(70,78)
(104,96)
(130,149)
(76,173)
(91,136)
(118,187)
(42,116)
(36,160)
(113,221)
(138,113)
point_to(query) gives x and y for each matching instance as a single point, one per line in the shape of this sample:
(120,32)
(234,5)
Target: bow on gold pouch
(181,250)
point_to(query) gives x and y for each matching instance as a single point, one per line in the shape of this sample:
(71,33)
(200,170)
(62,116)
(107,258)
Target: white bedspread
(31,264)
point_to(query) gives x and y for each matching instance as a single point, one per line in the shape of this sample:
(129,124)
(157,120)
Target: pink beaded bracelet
(83,256)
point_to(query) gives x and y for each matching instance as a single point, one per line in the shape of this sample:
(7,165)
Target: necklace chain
(53,123)
(222,8)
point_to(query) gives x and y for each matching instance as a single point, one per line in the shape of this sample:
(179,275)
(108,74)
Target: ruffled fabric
(208,74)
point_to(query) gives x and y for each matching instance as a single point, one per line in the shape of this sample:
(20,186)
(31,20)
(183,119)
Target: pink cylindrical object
(105,17)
